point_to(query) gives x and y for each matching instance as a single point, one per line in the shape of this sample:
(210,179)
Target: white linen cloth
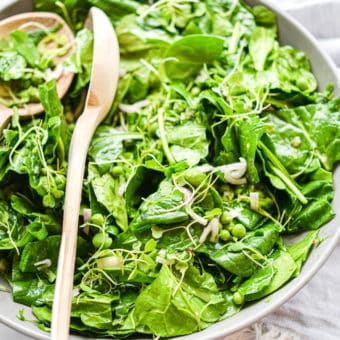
(313,313)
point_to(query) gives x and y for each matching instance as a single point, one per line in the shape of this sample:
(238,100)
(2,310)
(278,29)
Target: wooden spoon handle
(81,138)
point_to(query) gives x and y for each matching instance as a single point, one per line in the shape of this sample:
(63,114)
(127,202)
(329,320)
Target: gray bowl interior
(291,33)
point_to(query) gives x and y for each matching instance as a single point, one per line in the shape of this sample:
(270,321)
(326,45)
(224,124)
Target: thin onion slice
(234,172)
(189,198)
(134,107)
(212,228)
(254,198)
(45,263)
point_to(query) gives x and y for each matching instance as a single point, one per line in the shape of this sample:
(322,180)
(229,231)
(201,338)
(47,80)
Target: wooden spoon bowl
(28,22)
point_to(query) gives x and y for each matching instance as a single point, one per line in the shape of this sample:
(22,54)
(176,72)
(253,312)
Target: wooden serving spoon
(102,88)
(28,22)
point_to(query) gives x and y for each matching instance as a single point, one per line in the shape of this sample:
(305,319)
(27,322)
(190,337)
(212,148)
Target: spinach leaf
(107,144)
(299,251)
(106,191)
(250,131)
(279,270)
(237,258)
(196,48)
(261,43)
(29,290)
(122,8)
(188,142)
(12,66)
(313,216)
(277,172)
(186,55)
(35,252)
(12,227)
(316,129)
(253,287)
(142,183)
(25,46)
(164,207)
(264,17)
(80,61)
(164,299)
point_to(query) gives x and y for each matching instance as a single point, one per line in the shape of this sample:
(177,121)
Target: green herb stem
(282,173)
(163,138)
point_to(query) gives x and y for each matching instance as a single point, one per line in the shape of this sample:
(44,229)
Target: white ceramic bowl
(292,33)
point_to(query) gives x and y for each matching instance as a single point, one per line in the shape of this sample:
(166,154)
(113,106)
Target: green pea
(238,298)
(195,91)
(116,170)
(102,240)
(238,230)
(226,217)
(195,177)
(224,235)
(98,219)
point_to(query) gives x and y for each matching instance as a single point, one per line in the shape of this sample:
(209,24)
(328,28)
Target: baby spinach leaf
(37,251)
(277,172)
(106,190)
(312,216)
(137,189)
(54,120)
(12,227)
(294,71)
(217,100)
(320,185)
(186,55)
(319,126)
(136,41)
(258,282)
(299,251)
(80,61)
(188,142)
(250,131)
(122,8)
(25,46)
(94,311)
(264,17)
(164,207)
(261,43)
(293,146)
(12,66)
(237,258)
(107,145)
(196,48)
(29,290)
(279,270)
(164,299)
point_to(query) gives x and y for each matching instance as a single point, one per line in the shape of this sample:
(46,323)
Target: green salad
(27,60)
(217,145)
